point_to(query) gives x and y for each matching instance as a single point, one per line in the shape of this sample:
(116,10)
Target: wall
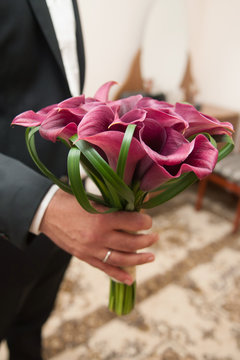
(215,48)
(114,30)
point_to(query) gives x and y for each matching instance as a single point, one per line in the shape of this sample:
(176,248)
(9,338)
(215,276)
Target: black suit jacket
(31,76)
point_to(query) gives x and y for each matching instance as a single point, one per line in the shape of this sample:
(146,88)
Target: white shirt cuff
(35,225)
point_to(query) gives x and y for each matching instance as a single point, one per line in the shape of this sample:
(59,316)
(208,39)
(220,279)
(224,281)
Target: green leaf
(97,199)
(115,198)
(66,143)
(76,182)
(210,138)
(105,171)
(123,154)
(110,196)
(139,198)
(97,179)
(29,137)
(227,148)
(172,191)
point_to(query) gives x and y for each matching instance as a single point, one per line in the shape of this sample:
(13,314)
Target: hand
(90,236)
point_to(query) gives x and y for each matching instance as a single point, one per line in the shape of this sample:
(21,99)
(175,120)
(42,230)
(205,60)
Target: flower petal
(59,123)
(126,104)
(155,176)
(152,137)
(47,109)
(103,92)
(167,119)
(147,102)
(91,104)
(201,161)
(28,119)
(165,146)
(72,102)
(199,122)
(134,116)
(95,121)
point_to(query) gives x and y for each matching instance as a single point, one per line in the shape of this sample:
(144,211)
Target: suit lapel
(42,15)
(80,45)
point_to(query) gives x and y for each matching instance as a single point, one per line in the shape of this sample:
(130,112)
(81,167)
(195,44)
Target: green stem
(121,297)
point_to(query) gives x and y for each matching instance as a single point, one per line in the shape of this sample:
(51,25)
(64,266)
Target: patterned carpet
(188,300)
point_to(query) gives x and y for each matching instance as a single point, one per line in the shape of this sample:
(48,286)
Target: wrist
(36,222)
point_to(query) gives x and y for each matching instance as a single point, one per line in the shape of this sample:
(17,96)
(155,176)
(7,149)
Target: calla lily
(59,123)
(150,103)
(28,119)
(167,119)
(135,117)
(199,122)
(103,92)
(169,154)
(95,121)
(164,145)
(201,163)
(126,104)
(73,102)
(96,129)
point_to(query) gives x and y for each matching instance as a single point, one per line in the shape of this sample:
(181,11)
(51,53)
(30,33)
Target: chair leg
(201,192)
(237,217)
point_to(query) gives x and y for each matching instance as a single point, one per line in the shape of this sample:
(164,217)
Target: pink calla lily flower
(135,117)
(199,122)
(200,158)
(147,102)
(96,128)
(103,92)
(164,145)
(73,102)
(59,123)
(95,121)
(126,104)
(28,119)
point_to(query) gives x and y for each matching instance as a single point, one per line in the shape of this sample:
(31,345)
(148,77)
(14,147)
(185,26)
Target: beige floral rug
(188,300)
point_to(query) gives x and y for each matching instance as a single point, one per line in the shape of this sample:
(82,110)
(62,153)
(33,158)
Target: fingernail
(128,281)
(151,258)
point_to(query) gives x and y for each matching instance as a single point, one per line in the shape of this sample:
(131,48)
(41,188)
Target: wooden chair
(226,175)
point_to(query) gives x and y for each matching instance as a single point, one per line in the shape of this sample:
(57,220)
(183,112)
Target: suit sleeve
(21,191)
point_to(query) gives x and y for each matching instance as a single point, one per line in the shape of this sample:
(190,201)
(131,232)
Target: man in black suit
(32,76)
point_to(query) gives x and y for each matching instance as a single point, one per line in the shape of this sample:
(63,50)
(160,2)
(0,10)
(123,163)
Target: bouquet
(129,147)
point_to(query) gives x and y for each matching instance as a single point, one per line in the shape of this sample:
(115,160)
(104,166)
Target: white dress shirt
(62,15)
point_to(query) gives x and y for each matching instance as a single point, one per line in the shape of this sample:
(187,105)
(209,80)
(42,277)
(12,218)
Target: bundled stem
(121,297)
